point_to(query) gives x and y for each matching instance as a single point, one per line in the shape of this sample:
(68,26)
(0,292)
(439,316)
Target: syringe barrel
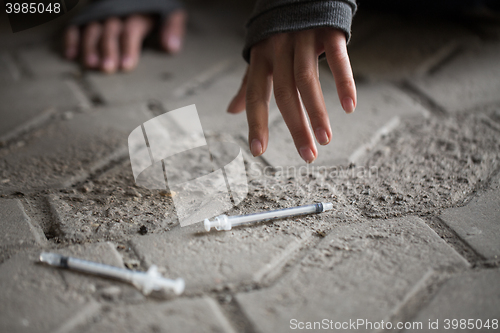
(98,268)
(276,214)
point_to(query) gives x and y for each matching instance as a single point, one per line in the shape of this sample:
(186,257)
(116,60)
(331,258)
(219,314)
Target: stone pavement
(413,175)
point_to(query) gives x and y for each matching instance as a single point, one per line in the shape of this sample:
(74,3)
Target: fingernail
(92,60)
(174,43)
(307,154)
(256,147)
(127,63)
(348,104)
(108,65)
(321,136)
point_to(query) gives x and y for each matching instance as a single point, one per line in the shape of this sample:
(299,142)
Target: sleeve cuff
(100,10)
(297,16)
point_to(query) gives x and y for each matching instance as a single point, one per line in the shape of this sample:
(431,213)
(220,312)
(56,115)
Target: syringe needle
(224,222)
(145,281)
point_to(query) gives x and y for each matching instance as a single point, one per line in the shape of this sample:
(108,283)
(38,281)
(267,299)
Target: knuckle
(179,16)
(318,118)
(253,96)
(133,22)
(346,83)
(92,29)
(339,54)
(296,131)
(283,94)
(255,128)
(128,29)
(305,76)
(112,25)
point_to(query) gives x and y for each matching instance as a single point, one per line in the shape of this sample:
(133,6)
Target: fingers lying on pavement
(71,42)
(172,32)
(110,45)
(135,28)
(91,36)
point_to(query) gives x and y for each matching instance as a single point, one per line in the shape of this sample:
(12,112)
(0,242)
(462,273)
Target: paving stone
(212,99)
(16,228)
(478,222)
(469,80)
(380,109)
(43,61)
(181,315)
(28,102)
(161,76)
(213,260)
(401,47)
(361,270)
(67,150)
(471,296)
(112,214)
(35,297)
(9,71)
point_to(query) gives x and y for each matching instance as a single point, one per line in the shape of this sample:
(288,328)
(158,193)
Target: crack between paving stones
(206,79)
(416,299)
(234,313)
(24,69)
(84,101)
(455,241)
(360,154)
(444,56)
(420,97)
(475,259)
(275,269)
(41,218)
(489,122)
(33,222)
(270,276)
(479,188)
(37,121)
(95,98)
(80,318)
(14,70)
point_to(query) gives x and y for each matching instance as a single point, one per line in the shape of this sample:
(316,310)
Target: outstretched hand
(289,61)
(116,43)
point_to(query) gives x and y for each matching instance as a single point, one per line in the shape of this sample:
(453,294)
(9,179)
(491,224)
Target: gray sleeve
(102,9)
(274,16)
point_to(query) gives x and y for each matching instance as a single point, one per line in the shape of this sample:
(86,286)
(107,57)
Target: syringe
(144,281)
(224,222)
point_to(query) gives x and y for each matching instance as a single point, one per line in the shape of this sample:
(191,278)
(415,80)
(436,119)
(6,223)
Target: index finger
(258,94)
